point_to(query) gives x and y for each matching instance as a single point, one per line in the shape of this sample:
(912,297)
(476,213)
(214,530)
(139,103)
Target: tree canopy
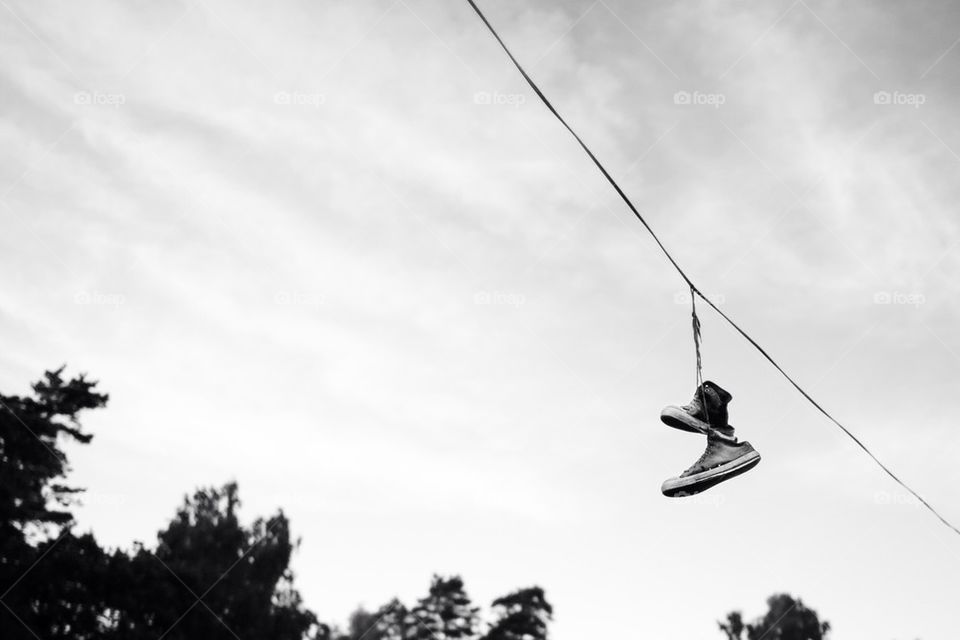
(209,575)
(785,619)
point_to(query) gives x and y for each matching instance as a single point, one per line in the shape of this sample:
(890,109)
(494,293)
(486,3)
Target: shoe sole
(679,419)
(699,482)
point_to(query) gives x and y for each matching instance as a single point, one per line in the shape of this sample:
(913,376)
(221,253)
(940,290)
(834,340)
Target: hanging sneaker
(721,461)
(697,418)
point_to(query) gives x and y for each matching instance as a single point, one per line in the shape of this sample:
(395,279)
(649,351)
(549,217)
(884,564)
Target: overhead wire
(695,292)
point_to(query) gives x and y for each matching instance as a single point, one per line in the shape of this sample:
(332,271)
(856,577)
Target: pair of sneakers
(724,457)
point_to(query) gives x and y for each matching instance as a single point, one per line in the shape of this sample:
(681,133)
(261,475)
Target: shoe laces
(699,394)
(699,402)
(703,456)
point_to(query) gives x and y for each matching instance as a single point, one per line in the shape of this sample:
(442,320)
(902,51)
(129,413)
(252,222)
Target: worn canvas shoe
(707,410)
(721,461)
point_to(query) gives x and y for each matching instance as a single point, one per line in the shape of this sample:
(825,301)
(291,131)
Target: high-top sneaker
(707,410)
(721,461)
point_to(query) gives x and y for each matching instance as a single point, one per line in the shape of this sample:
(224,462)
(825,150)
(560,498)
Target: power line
(686,279)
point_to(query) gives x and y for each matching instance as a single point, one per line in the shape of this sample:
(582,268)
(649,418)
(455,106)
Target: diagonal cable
(693,287)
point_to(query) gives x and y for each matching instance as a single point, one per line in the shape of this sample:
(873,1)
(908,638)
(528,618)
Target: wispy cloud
(342,251)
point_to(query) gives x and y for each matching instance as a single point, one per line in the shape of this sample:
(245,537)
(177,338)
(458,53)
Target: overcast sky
(337,251)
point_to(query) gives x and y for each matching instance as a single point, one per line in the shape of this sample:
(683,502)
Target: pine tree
(214,578)
(45,571)
(446,613)
(522,615)
(390,623)
(786,619)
